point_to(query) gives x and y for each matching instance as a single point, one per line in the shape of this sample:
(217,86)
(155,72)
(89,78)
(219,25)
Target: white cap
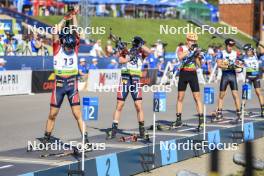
(2,60)
(82,60)
(113,60)
(161,59)
(94,60)
(210,51)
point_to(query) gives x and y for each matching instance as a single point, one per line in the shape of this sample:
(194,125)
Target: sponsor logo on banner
(103,78)
(42,81)
(15,82)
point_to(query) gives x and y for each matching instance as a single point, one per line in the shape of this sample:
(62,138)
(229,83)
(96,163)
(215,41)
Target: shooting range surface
(25,120)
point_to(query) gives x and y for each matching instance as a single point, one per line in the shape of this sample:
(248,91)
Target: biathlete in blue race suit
(226,60)
(131,70)
(65,46)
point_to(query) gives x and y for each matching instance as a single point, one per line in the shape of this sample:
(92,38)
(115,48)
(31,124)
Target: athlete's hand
(225,64)
(185,53)
(76,10)
(68,17)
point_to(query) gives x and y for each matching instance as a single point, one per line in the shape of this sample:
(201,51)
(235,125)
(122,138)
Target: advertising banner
(15,82)
(42,81)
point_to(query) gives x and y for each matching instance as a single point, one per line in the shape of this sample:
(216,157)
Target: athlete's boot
(219,115)
(142,132)
(88,145)
(47,138)
(112,133)
(238,119)
(262,111)
(178,121)
(201,122)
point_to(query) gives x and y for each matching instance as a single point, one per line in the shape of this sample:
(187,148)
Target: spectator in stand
(207,64)
(151,60)
(83,72)
(93,66)
(176,65)
(7,42)
(2,50)
(14,44)
(109,49)
(112,65)
(97,50)
(161,69)
(2,64)
(35,45)
(159,49)
(83,68)
(10,44)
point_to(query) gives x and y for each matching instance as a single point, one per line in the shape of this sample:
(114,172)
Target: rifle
(197,53)
(120,46)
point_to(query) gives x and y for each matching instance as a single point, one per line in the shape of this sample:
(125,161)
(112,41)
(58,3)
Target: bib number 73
(68,61)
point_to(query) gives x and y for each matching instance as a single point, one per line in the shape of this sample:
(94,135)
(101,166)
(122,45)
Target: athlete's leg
(139,109)
(179,104)
(198,101)
(236,99)
(77,113)
(55,104)
(119,107)
(140,117)
(260,97)
(194,84)
(182,85)
(116,117)
(221,97)
(234,88)
(51,120)
(121,97)
(261,100)
(220,102)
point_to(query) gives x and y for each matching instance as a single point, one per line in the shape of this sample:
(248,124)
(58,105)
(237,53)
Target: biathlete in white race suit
(65,49)
(190,58)
(131,62)
(227,60)
(253,72)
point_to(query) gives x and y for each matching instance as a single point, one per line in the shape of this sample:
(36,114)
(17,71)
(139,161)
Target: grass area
(149,29)
(239,36)
(214,2)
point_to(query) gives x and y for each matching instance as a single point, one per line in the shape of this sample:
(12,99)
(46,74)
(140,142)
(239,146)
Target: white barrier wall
(103,78)
(15,82)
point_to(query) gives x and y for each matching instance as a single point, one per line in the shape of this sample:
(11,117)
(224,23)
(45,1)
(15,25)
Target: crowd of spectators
(24,45)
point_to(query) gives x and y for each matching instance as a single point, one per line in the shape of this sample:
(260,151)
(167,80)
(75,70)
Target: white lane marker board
(6,166)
